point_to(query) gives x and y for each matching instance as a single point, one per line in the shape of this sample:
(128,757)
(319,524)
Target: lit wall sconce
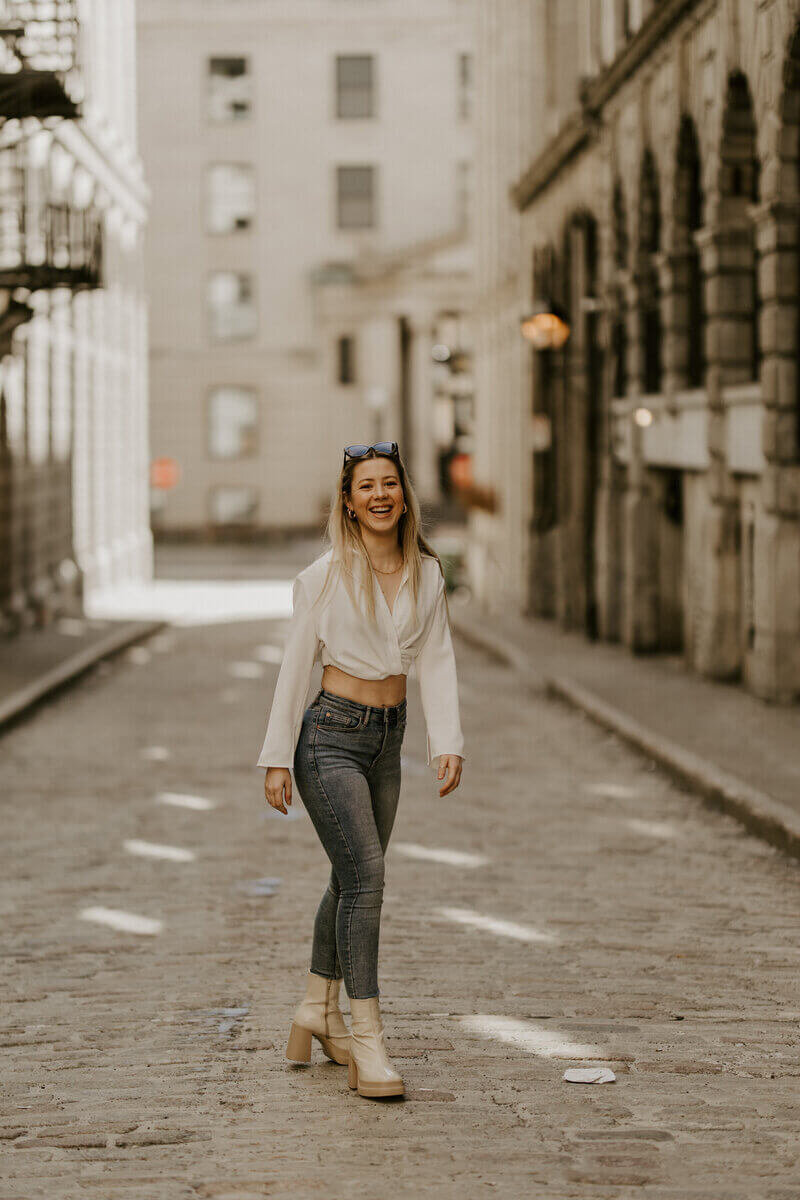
(546,327)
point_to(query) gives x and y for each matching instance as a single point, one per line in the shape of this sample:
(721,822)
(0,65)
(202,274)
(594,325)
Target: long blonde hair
(343,534)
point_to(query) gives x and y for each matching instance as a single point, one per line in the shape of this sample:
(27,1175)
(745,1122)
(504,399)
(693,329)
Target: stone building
(310,167)
(73,397)
(638,172)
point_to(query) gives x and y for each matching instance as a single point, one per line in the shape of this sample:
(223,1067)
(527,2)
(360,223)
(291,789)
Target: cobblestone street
(586,911)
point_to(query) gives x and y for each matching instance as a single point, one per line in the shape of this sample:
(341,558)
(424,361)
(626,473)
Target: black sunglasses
(380,447)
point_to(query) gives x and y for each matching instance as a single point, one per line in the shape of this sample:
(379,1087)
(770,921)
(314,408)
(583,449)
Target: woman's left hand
(449,769)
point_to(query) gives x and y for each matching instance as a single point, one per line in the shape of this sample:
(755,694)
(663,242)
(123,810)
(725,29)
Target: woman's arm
(438,685)
(291,688)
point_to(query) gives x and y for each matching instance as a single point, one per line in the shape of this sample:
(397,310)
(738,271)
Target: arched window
(688,219)
(649,290)
(619,328)
(739,189)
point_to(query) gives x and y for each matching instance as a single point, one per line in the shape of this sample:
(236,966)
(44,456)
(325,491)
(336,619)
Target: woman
(368,607)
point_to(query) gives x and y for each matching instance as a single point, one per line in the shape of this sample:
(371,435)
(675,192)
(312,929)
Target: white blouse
(336,632)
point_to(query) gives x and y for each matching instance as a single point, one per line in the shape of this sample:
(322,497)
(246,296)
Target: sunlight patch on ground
(156,850)
(117,918)
(614,791)
(510,929)
(535,1039)
(185,800)
(195,602)
(453,858)
(155,753)
(246,670)
(655,829)
(268,654)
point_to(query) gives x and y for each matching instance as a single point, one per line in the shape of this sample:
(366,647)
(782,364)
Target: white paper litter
(590,1075)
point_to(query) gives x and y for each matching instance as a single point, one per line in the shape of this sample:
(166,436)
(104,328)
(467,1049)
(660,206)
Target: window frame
(245,337)
(338,90)
(249,167)
(231,118)
(211,391)
(373,174)
(342,361)
(239,523)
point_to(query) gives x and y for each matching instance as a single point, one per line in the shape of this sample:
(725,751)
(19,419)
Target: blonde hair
(343,534)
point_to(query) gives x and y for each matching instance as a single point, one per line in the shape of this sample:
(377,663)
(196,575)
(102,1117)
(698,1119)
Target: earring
(350,513)
(405,508)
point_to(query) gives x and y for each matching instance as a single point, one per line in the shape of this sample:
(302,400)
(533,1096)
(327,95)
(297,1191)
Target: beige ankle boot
(319,1014)
(370,1070)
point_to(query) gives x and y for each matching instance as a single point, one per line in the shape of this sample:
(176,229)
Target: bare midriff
(378,692)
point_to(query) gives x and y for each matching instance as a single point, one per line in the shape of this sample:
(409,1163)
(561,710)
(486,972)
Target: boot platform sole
(298,1048)
(373,1090)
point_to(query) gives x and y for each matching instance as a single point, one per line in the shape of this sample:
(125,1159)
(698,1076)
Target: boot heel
(352,1073)
(298,1048)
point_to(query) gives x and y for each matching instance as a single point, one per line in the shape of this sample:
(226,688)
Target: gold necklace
(380,572)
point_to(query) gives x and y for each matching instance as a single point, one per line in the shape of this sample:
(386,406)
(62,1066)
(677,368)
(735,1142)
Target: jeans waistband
(370,714)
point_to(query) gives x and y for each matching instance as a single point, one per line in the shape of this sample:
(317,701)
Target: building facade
(73,353)
(653,203)
(311,173)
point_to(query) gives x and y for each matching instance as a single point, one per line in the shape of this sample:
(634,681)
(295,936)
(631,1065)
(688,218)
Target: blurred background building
(308,250)
(637,181)
(73,353)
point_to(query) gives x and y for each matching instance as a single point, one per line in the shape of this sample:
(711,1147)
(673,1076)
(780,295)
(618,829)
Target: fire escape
(43,244)
(46,242)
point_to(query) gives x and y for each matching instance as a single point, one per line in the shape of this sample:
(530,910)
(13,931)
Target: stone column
(608,507)
(773,662)
(640,551)
(727,264)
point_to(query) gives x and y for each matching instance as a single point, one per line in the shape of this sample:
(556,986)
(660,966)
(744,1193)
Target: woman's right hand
(275,781)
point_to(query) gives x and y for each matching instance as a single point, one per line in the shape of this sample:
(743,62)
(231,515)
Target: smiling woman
(368,608)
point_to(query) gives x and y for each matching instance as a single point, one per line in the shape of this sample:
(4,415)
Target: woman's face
(376,485)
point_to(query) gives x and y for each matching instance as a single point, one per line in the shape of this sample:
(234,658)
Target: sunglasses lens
(356,451)
(384,447)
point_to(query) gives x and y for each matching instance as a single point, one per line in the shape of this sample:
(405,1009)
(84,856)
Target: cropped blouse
(337,632)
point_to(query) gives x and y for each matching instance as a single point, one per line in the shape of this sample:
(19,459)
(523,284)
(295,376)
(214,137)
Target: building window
(232,422)
(231,306)
(355,197)
(464,194)
(230,89)
(233,505)
(355,86)
(465,86)
(230,197)
(346,360)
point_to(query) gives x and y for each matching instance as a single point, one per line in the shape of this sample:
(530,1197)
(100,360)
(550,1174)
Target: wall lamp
(546,326)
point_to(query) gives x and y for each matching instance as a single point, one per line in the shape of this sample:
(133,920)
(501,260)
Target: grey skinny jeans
(347,770)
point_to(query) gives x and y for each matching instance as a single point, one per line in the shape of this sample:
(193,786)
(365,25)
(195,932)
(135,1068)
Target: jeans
(347,770)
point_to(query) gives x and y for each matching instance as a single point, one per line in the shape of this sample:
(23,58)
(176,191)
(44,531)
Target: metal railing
(50,245)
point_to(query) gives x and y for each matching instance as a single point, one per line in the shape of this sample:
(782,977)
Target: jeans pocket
(330,718)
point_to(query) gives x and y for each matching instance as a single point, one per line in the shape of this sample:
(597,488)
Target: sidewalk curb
(500,648)
(73,667)
(758,812)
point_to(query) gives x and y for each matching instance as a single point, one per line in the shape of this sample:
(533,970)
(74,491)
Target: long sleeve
(291,688)
(438,685)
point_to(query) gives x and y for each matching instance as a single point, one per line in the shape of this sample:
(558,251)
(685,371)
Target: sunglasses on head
(379,447)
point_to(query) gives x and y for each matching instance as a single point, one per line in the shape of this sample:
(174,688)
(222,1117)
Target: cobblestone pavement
(603,917)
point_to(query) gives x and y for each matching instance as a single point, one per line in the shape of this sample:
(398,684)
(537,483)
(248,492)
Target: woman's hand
(450,769)
(275,780)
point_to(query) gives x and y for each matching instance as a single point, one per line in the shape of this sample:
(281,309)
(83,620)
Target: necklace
(380,572)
